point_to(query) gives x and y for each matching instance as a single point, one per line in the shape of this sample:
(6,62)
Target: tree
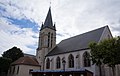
(107,52)
(118,49)
(110,57)
(13,53)
(97,53)
(112,49)
(4,64)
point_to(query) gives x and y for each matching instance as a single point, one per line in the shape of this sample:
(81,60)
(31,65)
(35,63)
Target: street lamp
(64,62)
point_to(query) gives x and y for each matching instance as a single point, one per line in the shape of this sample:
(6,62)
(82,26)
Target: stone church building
(70,57)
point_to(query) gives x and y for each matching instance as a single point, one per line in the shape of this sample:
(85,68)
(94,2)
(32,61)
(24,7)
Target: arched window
(41,39)
(86,59)
(71,61)
(48,63)
(49,39)
(58,62)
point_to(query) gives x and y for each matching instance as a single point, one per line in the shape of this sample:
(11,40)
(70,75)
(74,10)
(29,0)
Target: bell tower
(47,39)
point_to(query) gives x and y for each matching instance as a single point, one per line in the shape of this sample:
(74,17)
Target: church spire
(47,39)
(48,21)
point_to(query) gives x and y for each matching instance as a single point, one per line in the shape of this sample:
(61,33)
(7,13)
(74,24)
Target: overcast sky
(20,20)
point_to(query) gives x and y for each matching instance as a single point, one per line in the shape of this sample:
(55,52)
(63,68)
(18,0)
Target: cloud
(11,35)
(20,20)
(24,23)
(93,14)
(116,28)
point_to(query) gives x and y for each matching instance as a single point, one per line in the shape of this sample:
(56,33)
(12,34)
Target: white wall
(23,70)
(78,62)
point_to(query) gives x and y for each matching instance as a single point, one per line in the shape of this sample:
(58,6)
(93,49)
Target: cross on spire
(50,3)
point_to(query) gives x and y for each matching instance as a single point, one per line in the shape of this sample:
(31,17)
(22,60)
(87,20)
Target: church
(70,57)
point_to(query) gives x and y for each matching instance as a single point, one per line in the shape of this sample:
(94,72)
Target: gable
(106,34)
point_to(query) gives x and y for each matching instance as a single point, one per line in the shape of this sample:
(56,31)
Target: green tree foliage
(111,52)
(112,56)
(97,55)
(107,52)
(118,50)
(13,53)
(4,64)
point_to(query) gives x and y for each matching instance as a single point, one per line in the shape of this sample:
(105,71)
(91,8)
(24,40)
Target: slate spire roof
(79,42)
(48,21)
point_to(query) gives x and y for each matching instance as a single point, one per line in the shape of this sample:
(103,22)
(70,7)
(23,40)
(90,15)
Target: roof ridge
(85,32)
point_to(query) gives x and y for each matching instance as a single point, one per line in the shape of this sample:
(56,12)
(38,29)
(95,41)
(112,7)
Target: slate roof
(26,60)
(48,21)
(79,42)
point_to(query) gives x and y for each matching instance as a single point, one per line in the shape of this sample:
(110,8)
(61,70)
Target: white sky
(72,17)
